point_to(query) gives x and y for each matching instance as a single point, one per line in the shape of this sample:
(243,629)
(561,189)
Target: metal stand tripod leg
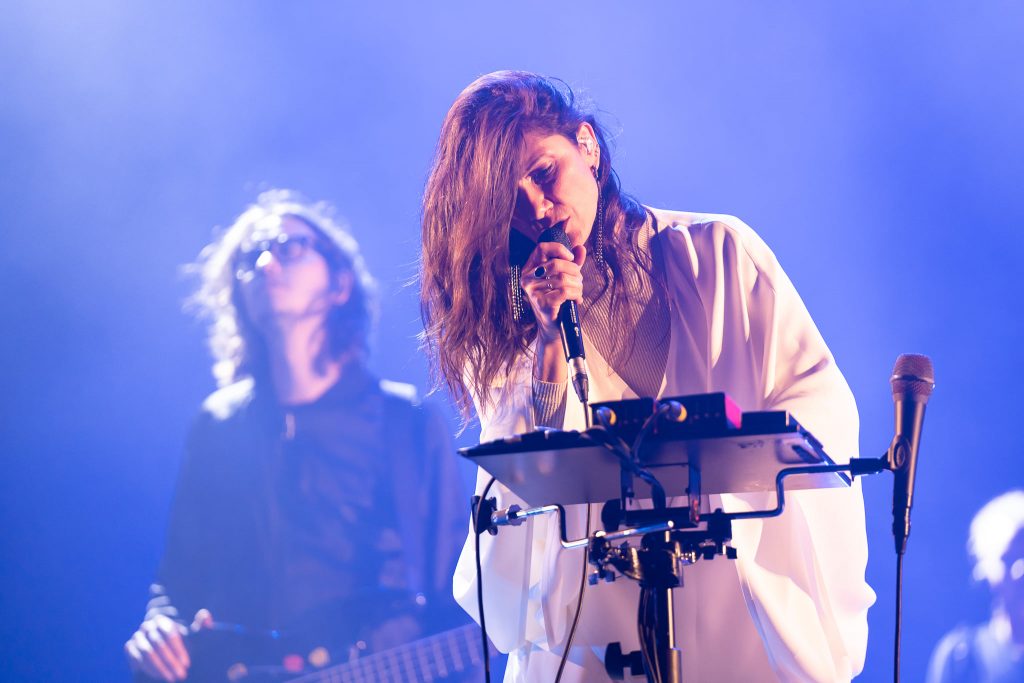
(670,658)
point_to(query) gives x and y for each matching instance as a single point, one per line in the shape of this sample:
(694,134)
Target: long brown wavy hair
(470,334)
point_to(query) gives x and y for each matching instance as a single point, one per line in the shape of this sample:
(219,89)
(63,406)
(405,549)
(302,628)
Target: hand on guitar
(158,648)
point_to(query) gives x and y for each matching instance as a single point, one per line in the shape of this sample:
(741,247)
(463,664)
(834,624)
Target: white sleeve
(512,581)
(802,573)
(530,581)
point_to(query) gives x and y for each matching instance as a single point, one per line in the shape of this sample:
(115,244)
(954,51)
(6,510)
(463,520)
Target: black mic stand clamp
(657,565)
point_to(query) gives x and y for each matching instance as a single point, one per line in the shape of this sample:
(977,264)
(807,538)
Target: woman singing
(673,303)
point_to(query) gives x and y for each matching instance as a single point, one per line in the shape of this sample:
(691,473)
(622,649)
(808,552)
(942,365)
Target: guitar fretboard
(432,658)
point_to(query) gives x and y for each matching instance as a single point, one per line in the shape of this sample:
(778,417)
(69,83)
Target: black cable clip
(483,513)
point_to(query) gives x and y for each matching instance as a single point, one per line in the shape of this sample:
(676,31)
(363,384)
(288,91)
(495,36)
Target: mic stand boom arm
(856,466)
(514,516)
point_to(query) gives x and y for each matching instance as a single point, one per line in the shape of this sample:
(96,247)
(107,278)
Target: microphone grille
(556,234)
(913,376)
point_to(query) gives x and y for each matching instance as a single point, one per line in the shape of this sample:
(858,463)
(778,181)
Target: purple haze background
(876,147)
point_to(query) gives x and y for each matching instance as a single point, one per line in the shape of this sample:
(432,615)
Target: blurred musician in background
(992,652)
(672,303)
(315,501)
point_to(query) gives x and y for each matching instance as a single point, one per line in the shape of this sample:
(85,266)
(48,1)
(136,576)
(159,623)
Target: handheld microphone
(913,380)
(569,321)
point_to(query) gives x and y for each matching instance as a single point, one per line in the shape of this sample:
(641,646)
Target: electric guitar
(451,657)
(446,655)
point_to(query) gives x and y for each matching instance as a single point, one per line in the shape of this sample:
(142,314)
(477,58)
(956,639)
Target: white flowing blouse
(793,606)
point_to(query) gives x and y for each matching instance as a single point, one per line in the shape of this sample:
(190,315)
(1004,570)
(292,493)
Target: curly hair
(992,530)
(469,247)
(238,349)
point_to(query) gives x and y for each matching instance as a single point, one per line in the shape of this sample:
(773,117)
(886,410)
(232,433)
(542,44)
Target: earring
(516,293)
(599,226)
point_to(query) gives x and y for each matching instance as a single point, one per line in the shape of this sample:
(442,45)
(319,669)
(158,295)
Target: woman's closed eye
(543,175)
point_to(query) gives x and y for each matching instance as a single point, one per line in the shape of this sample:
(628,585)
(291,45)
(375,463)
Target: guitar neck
(429,659)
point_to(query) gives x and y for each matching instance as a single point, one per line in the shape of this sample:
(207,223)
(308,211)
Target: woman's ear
(341,288)
(586,139)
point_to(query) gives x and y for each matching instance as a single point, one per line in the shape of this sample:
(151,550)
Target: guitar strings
(389,665)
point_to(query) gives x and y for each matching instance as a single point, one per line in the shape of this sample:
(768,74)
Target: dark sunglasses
(285,249)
